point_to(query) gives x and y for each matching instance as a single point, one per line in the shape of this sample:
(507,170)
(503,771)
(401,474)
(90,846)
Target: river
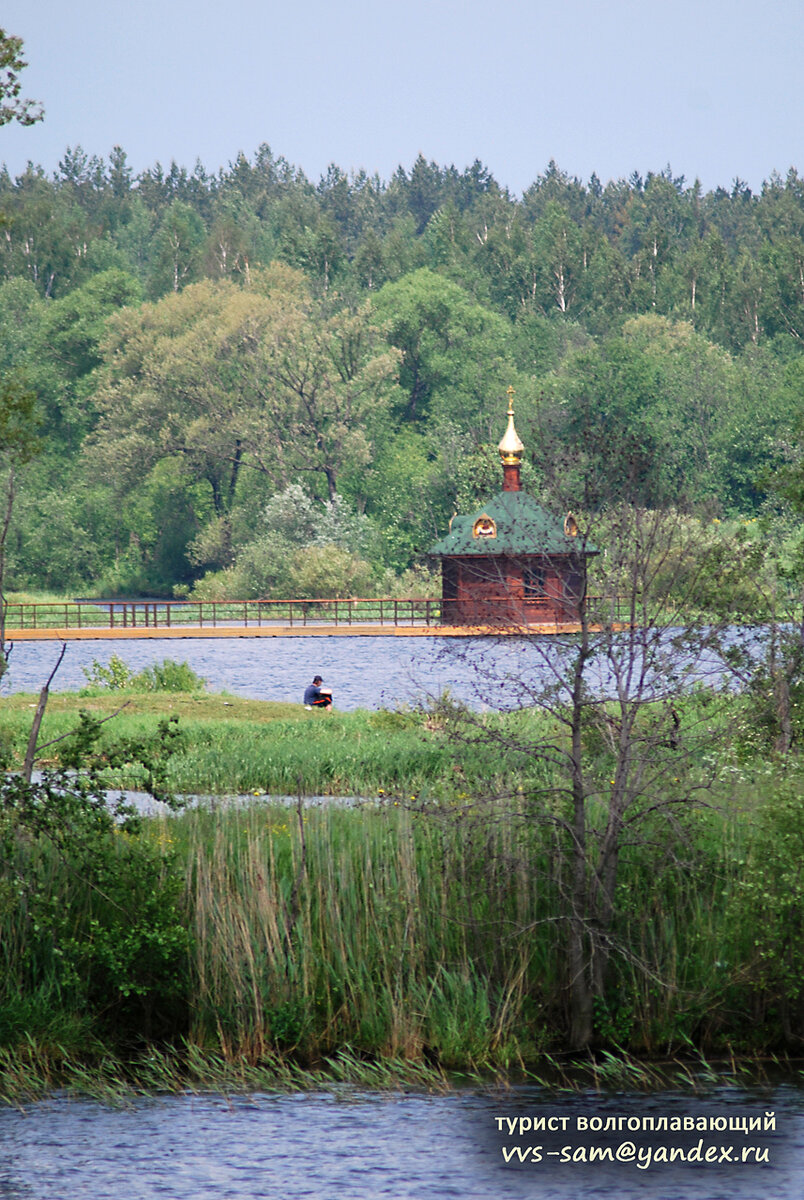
(362,672)
(361,1147)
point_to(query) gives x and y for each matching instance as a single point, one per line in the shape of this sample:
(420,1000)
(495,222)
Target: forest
(248,384)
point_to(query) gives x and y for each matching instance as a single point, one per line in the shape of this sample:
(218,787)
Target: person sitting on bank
(314,697)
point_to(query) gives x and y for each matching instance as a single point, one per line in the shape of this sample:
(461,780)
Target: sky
(712,88)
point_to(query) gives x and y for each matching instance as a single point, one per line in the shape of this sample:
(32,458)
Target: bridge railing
(249,614)
(212,614)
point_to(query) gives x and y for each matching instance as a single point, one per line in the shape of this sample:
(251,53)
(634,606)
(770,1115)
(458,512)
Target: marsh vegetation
(422,929)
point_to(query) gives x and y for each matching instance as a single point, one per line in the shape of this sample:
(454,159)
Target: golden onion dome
(511,448)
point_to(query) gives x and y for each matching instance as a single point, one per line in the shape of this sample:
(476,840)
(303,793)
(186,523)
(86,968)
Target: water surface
(365,672)
(362,672)
(400,1146)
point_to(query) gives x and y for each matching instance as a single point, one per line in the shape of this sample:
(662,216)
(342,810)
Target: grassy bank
(284,941)
(229,745)
(418,934)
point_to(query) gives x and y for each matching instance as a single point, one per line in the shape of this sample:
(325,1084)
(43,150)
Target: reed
(376,928)
(282,944)
(438,933)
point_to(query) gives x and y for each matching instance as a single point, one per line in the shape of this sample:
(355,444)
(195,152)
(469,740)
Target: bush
(97,928)
(169,676)
(112,678)
(117,676)
(323,572)
(229,584)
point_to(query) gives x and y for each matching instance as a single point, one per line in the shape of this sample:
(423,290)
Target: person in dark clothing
(314,697)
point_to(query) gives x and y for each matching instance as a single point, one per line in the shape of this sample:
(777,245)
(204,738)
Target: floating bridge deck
(246,631)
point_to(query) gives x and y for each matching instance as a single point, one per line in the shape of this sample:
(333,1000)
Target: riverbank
(230,745)
(395,940)
(419,933)
(32,1074)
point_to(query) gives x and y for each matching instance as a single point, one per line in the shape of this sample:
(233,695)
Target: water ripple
(321,1147)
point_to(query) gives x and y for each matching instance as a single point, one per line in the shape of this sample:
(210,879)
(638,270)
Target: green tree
(177,249)
(559,252)
(454,351)
(12,107)
(68,348)
(19,442)
(177,382)
(218,380)
(329,381)
(665,410)
(22,313)
(296,547)
(43,234)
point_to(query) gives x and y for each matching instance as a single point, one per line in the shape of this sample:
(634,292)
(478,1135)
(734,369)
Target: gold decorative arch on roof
(484,527)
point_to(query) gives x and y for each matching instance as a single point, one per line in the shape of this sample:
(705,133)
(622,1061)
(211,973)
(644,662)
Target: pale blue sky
(713,87)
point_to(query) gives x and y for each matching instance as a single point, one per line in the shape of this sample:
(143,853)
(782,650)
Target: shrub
(114,677)
(169,676)
(117,676)
(91,919)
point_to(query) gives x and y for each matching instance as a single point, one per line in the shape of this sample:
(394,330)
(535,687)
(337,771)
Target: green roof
(521,527)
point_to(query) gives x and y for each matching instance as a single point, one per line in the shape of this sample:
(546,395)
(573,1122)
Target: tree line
(249,383)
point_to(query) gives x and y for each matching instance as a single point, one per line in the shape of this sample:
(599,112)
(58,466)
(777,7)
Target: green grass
(231,745)
(33,1072)
(154,705)
(37,598)
(375,927)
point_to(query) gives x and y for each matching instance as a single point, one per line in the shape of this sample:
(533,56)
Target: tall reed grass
(387,929)
(287,938)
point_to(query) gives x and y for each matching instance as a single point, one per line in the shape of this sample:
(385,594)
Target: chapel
(510,563)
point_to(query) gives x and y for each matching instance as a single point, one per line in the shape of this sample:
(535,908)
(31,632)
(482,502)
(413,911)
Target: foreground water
(399,1146)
